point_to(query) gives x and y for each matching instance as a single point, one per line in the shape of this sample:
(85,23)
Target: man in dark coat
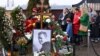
(62,18)
(96,28)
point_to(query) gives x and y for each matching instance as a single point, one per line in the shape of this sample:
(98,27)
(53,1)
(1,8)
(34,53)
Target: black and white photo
(41,40)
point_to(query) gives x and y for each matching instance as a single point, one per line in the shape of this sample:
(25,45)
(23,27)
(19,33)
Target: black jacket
(46,47)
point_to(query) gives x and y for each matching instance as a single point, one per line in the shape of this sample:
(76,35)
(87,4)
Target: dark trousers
(76,39)
(94,33)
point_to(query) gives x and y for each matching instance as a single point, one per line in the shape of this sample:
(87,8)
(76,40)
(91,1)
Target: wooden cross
(41,14)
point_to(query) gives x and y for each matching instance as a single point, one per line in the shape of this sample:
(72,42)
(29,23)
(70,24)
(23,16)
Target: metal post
(74,49)
(3,51)
(88,40)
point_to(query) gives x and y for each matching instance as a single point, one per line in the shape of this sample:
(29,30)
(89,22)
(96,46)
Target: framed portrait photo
(41,40)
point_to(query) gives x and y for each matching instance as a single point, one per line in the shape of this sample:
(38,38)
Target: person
(71,14)
(92,15)
(84,20)
(96,28)
(43,40)
(76,25)
(62,18)
(92,18)
(53,18)
(69,21)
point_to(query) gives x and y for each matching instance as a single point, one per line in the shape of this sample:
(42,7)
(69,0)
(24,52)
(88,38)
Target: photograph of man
(41,40)
(42,37)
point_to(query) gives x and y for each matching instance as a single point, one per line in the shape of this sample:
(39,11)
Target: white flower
(7,39)
(53,39)
(14,31)
(54,32)
(57,36)
(61,37)
(28,35)
(57,24)
(48,20)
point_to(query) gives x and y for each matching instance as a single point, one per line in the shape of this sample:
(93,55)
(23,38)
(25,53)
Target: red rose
(30,24)
(65,38)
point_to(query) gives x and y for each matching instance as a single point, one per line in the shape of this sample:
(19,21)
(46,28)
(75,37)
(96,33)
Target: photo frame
(41,41)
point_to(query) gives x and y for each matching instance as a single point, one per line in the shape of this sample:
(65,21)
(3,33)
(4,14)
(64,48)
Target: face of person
(65,10)
(76,11)
(41,38)
(82,9)
(90,10)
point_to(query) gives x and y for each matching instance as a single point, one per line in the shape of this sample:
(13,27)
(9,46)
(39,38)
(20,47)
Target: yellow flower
(33,24)
(22,41)
(45,17)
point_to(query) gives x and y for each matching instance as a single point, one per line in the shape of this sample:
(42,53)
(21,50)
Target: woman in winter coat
(76,25)
(84,20)
(76,21)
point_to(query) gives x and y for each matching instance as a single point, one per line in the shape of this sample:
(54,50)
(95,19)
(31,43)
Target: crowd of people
(77,22)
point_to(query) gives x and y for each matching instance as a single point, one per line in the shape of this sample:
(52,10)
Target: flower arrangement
(22,41)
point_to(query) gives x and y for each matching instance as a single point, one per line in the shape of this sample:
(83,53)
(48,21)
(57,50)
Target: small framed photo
(41,40)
